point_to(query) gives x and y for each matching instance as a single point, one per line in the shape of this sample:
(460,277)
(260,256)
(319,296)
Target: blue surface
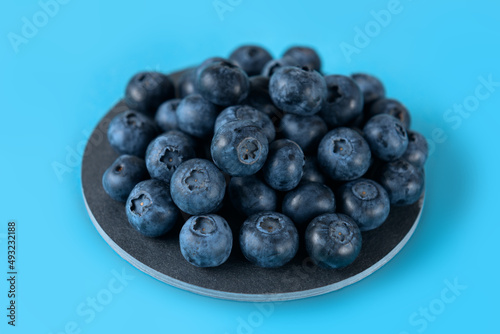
(63,79)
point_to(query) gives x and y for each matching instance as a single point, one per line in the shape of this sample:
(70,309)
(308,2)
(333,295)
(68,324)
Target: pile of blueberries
(299,154)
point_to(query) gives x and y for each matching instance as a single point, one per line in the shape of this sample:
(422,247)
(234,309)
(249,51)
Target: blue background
(63,80)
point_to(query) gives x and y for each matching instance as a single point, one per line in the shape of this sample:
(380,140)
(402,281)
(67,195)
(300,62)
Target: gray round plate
(237,279)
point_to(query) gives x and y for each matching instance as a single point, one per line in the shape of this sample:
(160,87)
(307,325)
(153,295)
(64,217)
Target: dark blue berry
(308,201)
(166,153)
(365,201)
(297,90)
(130,132)
(165,117)
(250,58)
(122,176)
(150,209)
(417,150)
(371,87)
(246,113)
(197,187)
(275,64)
(187,83)
(284,166)
(386,136)
(306,131)
(333,240)
(206,241)
(196,116)
(239,148)
(250,195)
(222,83)
(147,90)
(344,155)
(344,101)
(312,172)
(393,108)
(258,97)
(403,181)
(304,56)
(269,239)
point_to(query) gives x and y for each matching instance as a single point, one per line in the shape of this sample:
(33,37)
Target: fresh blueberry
(304,56)
(250,58)
(166,153)
(223,83)
(196,116)
(186,83)
(371,87)
(147,90)
(386,136)
(165,117)
(197,187)
(344,101)
(312,172)
(365,201)
(306,131)
(343,154)
(207,62)
(122,176)
(150,209)
(297,90)
(333,240)
(239,148)
(308,201)
(249,195)
(274,64)
(403,181)
(269,239)
(284,166)
(206,241)
(417,150)
(130,132)
(246,113)
(258,97)
(393,108)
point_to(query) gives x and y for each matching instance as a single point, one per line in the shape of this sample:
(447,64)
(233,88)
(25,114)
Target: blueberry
(150,209)
(343,154)
(166,153)
(386,136)
(308,201)
(344,101)
(206,241)
(196,116)
(304,56)
(239,148)
(274,64)
(222,83)
(284,166)
(333,240)
(147,90)
(312,172)
(197,187)
(403,181)
(297,90)
(165,117)
(365,201)
(371,87)
(417,150)
(246,113)
(393,108)
(130,132)
(250,195)
(306,131)
(269,239)
(250,58)
(205,63)
(123,174)
(258,97)
(186,83)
